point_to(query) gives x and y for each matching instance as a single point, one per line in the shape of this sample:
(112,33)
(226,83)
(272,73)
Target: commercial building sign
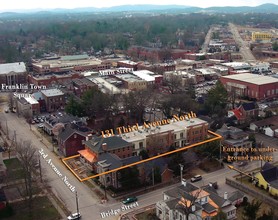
(64,178)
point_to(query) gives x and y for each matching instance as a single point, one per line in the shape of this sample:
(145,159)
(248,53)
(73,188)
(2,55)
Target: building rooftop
(237,65)
(128,62)
(145,75)
(104,85)
(177,126)
(114,142)
(31,100)
(129,78)
(252,78)
(52,92)
(12,67)
(67,62)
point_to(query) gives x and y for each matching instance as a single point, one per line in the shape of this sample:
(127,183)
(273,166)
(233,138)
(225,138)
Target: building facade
(13,74)
(251,85)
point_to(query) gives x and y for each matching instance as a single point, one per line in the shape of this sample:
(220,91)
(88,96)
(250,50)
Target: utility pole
(181,166)
(15,138)
(40,168)
(7,130)
(105,196)
(77,208)
(153,175)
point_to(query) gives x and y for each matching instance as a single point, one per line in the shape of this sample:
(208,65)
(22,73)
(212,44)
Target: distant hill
(265,8)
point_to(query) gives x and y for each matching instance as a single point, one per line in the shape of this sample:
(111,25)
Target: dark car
(196,178)
(130,200)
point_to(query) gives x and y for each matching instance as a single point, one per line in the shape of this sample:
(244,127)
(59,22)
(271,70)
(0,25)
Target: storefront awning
(88,155)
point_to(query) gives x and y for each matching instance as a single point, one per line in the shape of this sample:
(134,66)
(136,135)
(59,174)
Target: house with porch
(188,201)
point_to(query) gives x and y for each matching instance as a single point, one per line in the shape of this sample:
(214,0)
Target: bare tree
(27,156)
(11,100)
(174,84)
(187,203)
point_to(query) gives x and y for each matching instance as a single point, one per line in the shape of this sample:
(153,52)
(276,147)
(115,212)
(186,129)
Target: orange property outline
(217,137)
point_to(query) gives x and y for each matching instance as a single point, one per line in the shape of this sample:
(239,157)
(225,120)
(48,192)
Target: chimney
(89,137)
(225,195)
(104,147)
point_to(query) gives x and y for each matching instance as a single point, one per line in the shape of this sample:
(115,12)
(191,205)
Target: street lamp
(181,166)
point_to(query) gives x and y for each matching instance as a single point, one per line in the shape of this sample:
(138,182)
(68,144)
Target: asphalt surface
(89,204)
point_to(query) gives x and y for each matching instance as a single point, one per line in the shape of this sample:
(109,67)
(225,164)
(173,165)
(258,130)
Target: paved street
(89,204)
(244,48)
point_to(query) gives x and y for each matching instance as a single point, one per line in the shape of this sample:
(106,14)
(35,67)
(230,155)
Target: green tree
(74,108)
(216,101)
(220,216)
(275,46)
(129,178)
(250,211)
(144,154)
(252,138)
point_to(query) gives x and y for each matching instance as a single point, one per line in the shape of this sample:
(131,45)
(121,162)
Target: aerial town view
(150,110)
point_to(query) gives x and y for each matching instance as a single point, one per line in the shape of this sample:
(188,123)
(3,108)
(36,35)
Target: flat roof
(252,78)
(145,75)
(52,92)
(129,77)
(175,126)
(104,84)
(31,100)
(128,62)
(18,67)
(67,62)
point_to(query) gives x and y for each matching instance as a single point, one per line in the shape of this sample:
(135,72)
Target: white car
(74,216)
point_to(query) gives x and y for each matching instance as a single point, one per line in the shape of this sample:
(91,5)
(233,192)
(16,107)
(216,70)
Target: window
(181,135)
(140,145)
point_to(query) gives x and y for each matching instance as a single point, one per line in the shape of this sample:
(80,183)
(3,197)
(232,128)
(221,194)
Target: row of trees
(77,33)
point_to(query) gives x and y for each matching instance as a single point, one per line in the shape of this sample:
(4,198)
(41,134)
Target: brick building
(70,141)
(78,63)
(54,99)
(254,86)
(96,146)
(52,78)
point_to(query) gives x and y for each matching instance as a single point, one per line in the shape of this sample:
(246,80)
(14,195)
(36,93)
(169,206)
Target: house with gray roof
(188,200)
(234,137)
(96,147)
(70,141)
(108,161)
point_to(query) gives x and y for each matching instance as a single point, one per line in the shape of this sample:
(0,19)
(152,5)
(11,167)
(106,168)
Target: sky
(7,5)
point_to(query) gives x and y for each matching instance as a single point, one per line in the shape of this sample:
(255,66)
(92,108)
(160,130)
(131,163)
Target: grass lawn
(14,169)
(12,163)
(42,210)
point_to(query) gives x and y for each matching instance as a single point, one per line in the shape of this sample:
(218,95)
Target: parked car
(196,178)
(74,216)
(130,200)
(6,110)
